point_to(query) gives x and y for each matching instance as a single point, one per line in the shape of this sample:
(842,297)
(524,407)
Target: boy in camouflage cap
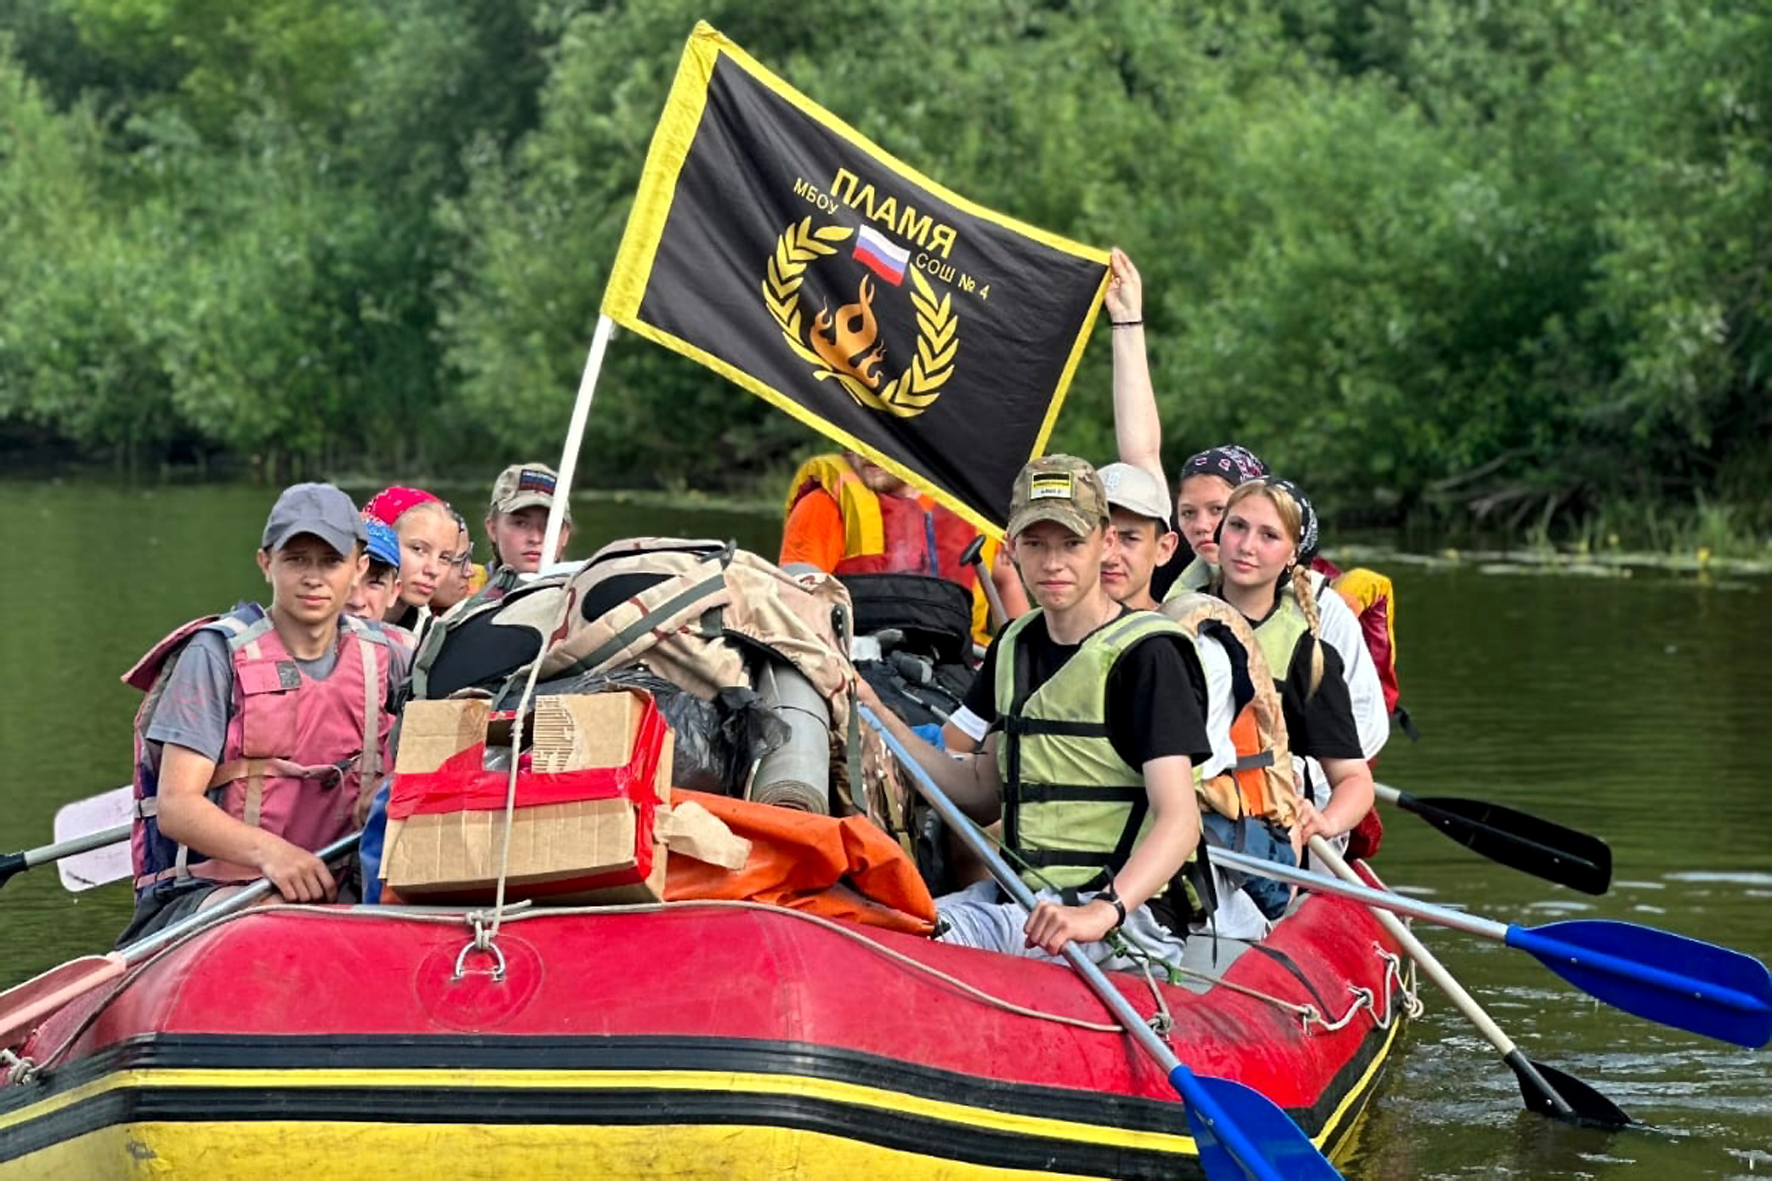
(1095,718)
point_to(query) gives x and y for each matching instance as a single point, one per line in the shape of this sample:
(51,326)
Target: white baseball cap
(1135,490)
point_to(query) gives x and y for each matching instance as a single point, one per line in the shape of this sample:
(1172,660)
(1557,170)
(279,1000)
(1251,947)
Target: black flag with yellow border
(779,247)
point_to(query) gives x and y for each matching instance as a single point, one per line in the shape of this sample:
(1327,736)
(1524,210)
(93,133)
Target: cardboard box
(585,826)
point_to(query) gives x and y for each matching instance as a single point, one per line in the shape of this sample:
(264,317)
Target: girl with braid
(1265,543)
(1207,480)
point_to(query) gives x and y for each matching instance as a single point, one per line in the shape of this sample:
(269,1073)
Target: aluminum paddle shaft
(12,863)
(1545,1090)
(1238,1131)
(1667,978)
(24,1006)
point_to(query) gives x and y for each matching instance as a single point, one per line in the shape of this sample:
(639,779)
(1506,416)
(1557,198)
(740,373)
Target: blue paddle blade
(1685,983)
(1240,1133)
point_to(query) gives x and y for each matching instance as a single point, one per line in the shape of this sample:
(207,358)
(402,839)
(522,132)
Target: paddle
(24,1006)
(1237,1130)
(1546,1090)
(1666,978)
(104,812)
(1515,839)
(12,863)
(973,556)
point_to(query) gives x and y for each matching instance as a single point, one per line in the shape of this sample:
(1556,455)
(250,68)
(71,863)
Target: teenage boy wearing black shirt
(1155,717)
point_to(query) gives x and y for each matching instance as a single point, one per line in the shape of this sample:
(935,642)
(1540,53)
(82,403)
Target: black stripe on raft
(556,1105)
(492,1106)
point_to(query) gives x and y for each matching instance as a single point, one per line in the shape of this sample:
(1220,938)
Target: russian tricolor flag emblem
(879,255)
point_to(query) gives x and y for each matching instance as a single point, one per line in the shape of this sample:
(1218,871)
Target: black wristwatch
(1111,895)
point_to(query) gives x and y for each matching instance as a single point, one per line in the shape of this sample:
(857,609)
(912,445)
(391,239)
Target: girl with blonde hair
(1265,543)
(428,534)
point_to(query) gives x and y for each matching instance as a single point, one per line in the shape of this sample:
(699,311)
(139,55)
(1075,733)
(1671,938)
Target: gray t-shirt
(198,703)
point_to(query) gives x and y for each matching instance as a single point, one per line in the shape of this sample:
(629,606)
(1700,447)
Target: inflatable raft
(696,1039)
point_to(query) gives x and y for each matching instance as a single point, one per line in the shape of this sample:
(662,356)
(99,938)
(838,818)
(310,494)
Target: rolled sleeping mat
(796,774)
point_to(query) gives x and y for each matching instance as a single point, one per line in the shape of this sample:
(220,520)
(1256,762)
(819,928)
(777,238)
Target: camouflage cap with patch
(1059,488)
(523,485)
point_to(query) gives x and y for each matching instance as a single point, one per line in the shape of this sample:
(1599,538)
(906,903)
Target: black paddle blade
(1520,841)
(1586,1105)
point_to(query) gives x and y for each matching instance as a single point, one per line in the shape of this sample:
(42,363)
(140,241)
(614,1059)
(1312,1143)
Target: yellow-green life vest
(1072,808)
(1194,577)
(1279,633)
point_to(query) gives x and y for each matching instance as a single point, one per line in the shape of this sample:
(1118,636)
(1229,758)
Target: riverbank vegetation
(1447,262)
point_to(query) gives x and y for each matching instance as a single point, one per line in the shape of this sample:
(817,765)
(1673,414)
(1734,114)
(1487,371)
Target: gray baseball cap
(319,509)
(1136,491)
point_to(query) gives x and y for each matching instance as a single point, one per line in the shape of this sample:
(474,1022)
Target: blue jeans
(369,847)
(1258,839)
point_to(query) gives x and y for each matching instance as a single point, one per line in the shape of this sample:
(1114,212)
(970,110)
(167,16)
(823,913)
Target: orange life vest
(896,534)
(1260,783)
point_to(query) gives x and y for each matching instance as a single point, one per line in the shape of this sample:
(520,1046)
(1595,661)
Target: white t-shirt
(1220,708)
(1341,631)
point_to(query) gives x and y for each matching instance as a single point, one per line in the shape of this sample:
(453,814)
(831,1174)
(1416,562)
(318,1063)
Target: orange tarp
(839,868)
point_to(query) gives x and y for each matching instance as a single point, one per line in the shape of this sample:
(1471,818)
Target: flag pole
(575,433)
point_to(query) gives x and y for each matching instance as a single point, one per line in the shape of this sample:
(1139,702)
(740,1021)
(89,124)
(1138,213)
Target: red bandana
(390,504)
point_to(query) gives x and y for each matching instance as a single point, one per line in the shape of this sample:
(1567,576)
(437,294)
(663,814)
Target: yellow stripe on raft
(260,1149)
(538,1152)
(1360,1091)
(401,1080)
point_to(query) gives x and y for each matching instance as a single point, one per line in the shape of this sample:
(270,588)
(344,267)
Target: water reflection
(1629,707)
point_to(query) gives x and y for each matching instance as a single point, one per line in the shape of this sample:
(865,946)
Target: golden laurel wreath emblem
(844,344)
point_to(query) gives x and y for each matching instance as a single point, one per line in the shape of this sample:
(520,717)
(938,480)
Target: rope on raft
(1162,1020)
(19,1071)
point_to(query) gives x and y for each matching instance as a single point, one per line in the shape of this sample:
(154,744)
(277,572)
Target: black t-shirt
(1156,693)
(1163,577)
(1319,724)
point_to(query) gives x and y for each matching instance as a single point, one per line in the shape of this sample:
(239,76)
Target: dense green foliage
(1507,256)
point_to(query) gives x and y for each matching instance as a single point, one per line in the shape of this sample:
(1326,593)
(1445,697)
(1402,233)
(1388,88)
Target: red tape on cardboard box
(463,784)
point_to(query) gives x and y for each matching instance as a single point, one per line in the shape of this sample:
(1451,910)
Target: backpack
(485,642)
(934,615)
(913,642)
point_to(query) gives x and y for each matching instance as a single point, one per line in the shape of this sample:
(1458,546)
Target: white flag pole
(575,434)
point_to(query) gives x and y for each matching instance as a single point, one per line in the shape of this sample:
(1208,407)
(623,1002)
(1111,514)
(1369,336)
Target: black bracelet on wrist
(1112,897)
(1126,323)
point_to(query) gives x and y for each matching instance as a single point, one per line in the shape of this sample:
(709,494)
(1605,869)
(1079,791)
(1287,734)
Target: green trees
(1425,255)
(226,238)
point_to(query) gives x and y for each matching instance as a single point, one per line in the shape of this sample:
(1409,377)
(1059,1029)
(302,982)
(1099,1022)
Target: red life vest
(920,537)
(1371,598)
(1369,595)
(297,751)
(895,534)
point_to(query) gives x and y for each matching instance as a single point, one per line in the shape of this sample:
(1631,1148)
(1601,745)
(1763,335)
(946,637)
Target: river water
(1631,707)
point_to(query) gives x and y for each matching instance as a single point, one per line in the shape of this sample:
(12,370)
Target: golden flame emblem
(853,332)
(847,345)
